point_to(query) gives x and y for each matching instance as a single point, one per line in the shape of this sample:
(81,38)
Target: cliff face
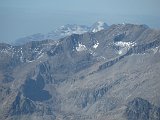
(111,74)
(140,109)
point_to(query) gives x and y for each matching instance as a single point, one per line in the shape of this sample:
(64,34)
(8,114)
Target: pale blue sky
(19,18)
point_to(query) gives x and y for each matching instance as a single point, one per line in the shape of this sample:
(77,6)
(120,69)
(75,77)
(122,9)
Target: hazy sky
(19,18)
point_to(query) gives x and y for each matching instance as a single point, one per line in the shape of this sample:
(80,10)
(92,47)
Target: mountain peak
(98,26)
(100,22)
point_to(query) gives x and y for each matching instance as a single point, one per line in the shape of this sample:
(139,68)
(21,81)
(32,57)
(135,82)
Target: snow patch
(21,59)
(96,45)
(41,55)
(81,47)
(101,58)
(124,46)
(92,53)
(99,26)
(155,50)
(5,51)
(28,61)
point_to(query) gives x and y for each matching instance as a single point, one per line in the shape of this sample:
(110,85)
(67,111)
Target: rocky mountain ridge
(63,31)
(111,74)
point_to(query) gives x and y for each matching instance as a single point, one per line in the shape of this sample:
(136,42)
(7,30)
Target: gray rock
(113,74)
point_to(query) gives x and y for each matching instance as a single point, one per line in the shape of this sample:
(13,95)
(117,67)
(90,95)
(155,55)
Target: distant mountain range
(112,74)
(63,31)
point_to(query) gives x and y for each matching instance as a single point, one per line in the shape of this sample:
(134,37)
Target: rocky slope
(112,74)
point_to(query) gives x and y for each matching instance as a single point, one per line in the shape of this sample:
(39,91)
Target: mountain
(67,30)
(63,31)
(98,26)
(34,37)
(112,74)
